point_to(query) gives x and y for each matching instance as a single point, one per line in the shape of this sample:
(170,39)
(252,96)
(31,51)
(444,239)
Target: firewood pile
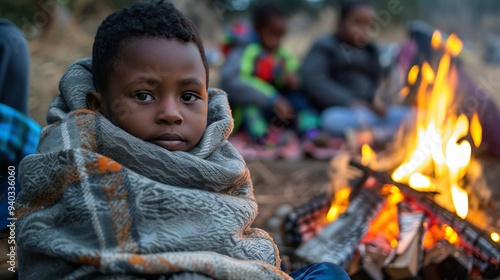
(387,230)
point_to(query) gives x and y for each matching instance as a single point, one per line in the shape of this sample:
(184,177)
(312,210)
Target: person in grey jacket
(341,74)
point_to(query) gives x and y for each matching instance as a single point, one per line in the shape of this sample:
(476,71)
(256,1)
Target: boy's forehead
(153,59)
(159,47)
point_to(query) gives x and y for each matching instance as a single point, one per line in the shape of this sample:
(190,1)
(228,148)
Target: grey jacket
(334,73)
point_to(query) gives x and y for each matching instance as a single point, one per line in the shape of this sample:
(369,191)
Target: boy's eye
(143,96)
(188,97)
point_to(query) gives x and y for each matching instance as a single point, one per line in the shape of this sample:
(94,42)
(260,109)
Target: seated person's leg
(338,120)
(254,122)
(384,131)
(307,117)
(396,115)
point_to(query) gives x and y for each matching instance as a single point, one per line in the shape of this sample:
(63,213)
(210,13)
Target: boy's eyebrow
(151,80)
(190,81)
(143,80)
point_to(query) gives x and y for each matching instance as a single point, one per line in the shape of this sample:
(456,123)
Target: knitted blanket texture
(97,202)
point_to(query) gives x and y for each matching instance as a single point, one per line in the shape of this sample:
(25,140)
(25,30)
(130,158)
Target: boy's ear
(94,101)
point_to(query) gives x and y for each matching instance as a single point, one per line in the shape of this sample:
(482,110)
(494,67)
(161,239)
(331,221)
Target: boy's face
(272,33)
(157,92)
(355,28)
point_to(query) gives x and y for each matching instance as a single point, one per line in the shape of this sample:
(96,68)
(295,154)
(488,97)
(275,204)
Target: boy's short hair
(347,6)
(264,11)
(139,20)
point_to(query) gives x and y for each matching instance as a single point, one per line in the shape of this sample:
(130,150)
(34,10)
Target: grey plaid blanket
(97,202)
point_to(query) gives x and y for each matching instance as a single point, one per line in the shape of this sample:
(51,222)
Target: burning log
(299,224)
(356,239)
(478,242)
(409,249)
(306,220)
(372,258)
(337,242)
(378,246)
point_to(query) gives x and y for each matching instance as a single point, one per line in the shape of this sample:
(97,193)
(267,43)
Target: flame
(420,182)
(436,39)
(437,147)
(436,233)
(454,45)
(404,92)
(450,235)
(495,237)
(386,223)
(476,130)
(460,201)
(367,155)
(413,75)
(339,204)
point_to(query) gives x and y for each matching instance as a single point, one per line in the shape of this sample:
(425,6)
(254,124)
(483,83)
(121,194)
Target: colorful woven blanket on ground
(98,202)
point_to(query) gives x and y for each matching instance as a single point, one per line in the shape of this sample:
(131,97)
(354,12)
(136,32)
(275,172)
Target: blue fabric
(338,120)
(18,134)
(323,271)
(18,137)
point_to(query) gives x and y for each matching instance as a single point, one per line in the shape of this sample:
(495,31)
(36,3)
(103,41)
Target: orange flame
(413,75)
(386,223)
(420,182)
(367,155)
(339,204)
(436,39)
(436,233)
(437,148)
(476,130)
(495,237)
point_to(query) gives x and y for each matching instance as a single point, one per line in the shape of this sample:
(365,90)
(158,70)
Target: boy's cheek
(121,109)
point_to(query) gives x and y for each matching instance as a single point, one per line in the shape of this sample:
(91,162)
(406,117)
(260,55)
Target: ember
(397,225)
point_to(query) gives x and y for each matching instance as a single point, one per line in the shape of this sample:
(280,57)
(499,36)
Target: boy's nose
(169,113)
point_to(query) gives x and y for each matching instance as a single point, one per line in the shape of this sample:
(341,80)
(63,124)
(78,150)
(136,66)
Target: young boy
(145,183)
(341,74)
(260,80)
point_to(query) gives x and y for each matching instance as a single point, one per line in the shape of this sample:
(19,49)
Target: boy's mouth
(169,141)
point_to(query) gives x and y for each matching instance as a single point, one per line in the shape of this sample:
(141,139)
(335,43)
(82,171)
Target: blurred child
(261,82)
(145,183)
(341,74)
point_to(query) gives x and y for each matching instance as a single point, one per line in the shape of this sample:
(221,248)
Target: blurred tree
(47,17)
(38,15)
(16,10)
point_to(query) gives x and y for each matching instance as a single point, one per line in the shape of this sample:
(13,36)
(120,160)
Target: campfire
(406,212)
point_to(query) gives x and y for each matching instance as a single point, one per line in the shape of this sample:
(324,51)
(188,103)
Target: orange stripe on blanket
(83,111)
(156,264)
(89,259)
(106,164)
(137,260)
